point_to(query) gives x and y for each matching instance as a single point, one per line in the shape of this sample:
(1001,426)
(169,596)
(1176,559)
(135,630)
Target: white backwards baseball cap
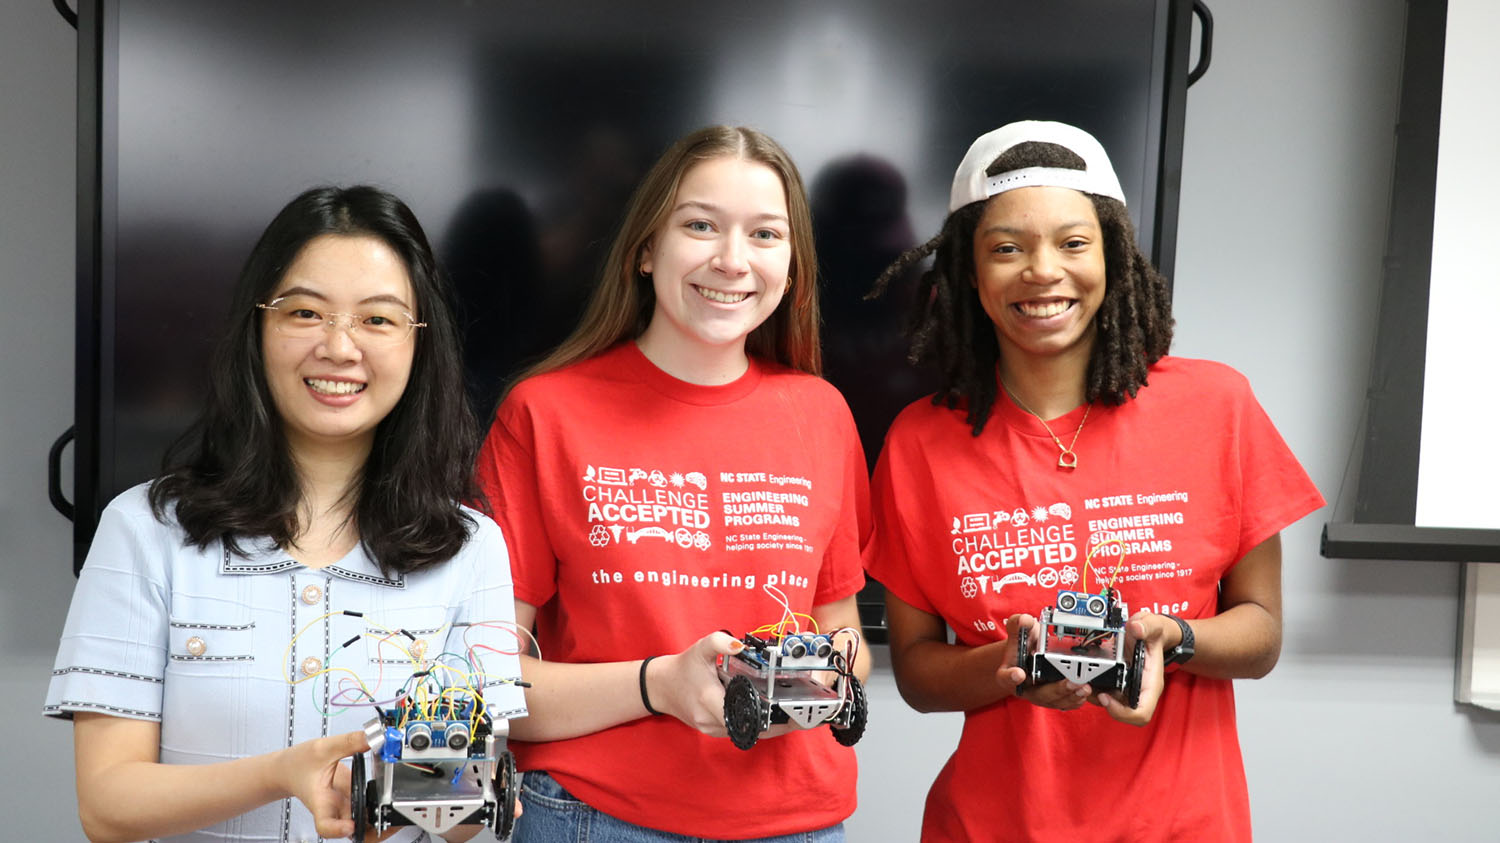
(970,184)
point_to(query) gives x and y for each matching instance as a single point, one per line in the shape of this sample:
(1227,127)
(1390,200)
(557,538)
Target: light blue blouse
(203,642)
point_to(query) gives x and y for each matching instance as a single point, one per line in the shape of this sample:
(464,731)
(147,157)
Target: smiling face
(1040,273)
(718,266)
(331,389)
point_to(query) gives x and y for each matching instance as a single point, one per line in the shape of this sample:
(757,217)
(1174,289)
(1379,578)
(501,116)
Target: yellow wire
(779,628)
(1088,563)
(425,698)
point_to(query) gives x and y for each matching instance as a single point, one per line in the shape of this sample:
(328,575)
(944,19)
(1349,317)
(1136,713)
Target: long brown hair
(622,303)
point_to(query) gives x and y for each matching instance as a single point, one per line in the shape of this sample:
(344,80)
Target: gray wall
(1285,189)
(37,131)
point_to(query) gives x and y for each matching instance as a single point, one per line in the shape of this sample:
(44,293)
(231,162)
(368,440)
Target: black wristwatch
(1184,649)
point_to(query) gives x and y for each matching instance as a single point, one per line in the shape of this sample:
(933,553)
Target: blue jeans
(553,815)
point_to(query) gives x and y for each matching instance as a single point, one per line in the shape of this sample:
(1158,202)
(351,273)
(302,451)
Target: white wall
(1285,185)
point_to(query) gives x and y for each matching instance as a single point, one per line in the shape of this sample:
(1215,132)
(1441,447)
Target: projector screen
(1423,483)
(1460,457)
(1425,488)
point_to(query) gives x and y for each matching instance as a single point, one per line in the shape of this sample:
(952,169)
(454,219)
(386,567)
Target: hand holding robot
(438,751)
(782,677)
(686,685)
(1076,653)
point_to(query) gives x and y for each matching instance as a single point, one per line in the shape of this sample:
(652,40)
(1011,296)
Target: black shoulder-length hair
(230,475)
(949,328)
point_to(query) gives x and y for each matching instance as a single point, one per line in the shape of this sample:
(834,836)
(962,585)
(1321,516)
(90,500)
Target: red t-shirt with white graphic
(644,512)
(1189,476)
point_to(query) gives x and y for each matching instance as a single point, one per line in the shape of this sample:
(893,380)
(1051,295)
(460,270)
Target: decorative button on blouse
(196,646)
(310,666)
(311,595)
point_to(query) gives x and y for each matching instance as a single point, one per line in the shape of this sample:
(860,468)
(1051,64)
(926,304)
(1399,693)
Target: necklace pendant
(1067,459)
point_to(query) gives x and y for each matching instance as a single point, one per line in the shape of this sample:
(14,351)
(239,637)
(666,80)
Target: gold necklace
(1066,459)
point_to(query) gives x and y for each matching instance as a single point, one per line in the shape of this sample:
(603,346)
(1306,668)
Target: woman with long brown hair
(675,463)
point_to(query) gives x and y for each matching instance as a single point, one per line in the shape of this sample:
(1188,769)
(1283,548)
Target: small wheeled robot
(1082,640)
(435,768)
(772,681)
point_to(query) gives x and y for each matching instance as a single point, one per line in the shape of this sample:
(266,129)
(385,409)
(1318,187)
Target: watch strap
(1185,648)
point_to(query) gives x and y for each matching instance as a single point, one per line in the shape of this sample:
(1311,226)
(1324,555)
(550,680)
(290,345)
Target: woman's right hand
(686,685)
(1061,695)
(313,772)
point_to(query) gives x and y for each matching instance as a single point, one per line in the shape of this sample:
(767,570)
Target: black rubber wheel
(1137,670)
(742,712)
(507,791)
(1023,653)
(850,735)
(357,807)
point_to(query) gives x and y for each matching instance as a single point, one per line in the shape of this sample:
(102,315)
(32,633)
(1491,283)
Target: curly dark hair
(231,475)
(949,329)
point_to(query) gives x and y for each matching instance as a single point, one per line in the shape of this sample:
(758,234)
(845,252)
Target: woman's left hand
(1152,629)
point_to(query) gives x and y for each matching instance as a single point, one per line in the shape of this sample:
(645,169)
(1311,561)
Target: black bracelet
(646,698)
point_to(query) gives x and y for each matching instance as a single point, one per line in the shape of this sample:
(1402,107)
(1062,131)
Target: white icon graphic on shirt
(682,537)
(606,476)
(1069,575)
(984,522)
(599,536)
(1012,579)
(634,536)
(977,522)
(971,587)
(1047,578)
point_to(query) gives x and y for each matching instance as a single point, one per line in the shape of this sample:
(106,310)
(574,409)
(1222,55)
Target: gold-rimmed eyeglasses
(377,324)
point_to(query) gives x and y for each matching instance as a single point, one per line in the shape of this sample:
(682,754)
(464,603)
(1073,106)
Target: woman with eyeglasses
(302,553)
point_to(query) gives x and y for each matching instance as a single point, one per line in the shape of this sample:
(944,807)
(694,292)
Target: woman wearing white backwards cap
(1066,454)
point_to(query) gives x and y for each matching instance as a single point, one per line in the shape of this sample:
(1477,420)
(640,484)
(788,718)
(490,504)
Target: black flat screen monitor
(516,131)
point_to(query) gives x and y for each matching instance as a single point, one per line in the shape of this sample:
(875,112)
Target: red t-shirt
(1191,475)
(642,513)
